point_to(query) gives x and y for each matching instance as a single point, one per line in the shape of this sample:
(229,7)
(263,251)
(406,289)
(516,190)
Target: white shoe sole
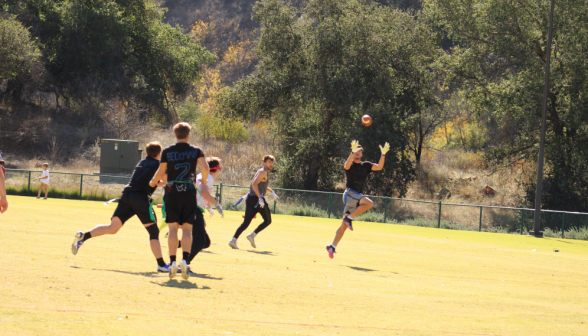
(74,245)
(233,246)
(251,241)
(184,268)
(173,270)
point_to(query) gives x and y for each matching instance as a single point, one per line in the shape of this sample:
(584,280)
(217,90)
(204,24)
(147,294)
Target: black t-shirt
(357,175)
(182,159)
(143,173)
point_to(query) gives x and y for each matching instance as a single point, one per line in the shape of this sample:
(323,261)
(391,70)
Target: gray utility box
(118,156)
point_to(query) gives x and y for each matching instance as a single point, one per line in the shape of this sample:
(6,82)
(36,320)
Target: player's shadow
(204,276)
(361,269)
(145,274)
(579,242)
(179,284)
(270,253)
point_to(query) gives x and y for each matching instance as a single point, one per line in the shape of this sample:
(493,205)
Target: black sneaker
(331,251)
(347,222)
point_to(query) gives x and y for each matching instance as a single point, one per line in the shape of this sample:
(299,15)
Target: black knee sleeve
(153,232)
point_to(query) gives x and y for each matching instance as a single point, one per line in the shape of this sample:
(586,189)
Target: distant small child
(44,180)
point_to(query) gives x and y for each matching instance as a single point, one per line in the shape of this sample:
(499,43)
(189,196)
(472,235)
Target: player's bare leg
(186,248)
(364,205)
(155,245)
(112,228)
(172,241)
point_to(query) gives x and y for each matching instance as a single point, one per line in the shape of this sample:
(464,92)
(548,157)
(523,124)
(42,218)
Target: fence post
(29,187)
(81,184)
(522,220)
(220,194)
(480,229)
(274,206)
(563,224)
(439,220)
(385,208)
(330,198)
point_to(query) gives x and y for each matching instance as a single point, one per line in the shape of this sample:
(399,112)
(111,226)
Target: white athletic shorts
(351,200)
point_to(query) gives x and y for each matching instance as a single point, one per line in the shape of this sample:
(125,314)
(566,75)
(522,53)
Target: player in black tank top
(135,200)
(255,202)
(179,161)
(357,172)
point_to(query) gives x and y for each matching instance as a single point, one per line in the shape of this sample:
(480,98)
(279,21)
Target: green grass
(385,279)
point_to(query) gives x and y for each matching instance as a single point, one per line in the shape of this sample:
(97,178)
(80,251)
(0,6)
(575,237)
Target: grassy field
(385,280)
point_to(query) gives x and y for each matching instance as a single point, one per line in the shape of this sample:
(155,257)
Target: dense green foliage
(500,58)
(121,46)
(320,69)
(18,53)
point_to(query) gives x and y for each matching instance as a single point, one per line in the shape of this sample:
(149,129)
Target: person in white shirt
(44,180)
(204,199)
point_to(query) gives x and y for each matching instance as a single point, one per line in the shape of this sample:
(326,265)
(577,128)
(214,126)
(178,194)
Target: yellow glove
(385,149)
(354,146)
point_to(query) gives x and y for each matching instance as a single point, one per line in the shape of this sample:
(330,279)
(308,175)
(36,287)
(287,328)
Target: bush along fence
(573,225)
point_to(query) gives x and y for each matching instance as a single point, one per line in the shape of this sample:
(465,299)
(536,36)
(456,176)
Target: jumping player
(135,200)
(255,202)
(179,201)
(357,172)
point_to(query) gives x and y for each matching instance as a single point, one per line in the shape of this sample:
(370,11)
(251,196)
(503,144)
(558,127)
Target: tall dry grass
(239,161)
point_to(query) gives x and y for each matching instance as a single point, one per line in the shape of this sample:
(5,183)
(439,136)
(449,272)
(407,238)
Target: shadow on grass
(145,274)
(204,276)
(361,269)
(270,253)
(180,284)
(573,242)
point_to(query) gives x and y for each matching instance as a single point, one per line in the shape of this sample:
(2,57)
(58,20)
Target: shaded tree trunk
(311,182)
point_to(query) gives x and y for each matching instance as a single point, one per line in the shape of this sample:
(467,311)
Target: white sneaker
(184,267)
(233,244)
(173,269)
(251,237)
(77,243)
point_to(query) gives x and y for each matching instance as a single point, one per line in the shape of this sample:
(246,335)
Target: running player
(135,200)
(179,201)
(255,202)
(357,172)
(205,200)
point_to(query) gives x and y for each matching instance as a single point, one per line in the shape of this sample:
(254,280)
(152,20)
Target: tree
(121,42)
(500,59)
(320,69)
(19,54)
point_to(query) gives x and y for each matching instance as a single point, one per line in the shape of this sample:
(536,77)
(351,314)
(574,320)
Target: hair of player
(153,149)
(268,157)
(213,162)
(181,130)
(46,164)
(1,162)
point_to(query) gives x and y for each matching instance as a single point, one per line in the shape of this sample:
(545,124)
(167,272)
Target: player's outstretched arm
(354,148)
(3,201)
(380,165)
(158,174)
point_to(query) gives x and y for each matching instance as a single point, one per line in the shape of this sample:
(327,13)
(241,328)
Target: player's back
(182,159)
(143,173)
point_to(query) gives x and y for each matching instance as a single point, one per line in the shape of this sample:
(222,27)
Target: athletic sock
(160,262)
(87,236)
(349,216)
(253,234)
(172,259)
(186,255)
(334,246)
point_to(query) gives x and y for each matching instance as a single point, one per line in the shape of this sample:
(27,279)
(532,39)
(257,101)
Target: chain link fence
(572,225)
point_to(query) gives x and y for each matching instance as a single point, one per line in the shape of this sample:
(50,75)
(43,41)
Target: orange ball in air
(366,120)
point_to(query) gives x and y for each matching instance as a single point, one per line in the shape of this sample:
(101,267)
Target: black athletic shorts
(180,207)
(135,203)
